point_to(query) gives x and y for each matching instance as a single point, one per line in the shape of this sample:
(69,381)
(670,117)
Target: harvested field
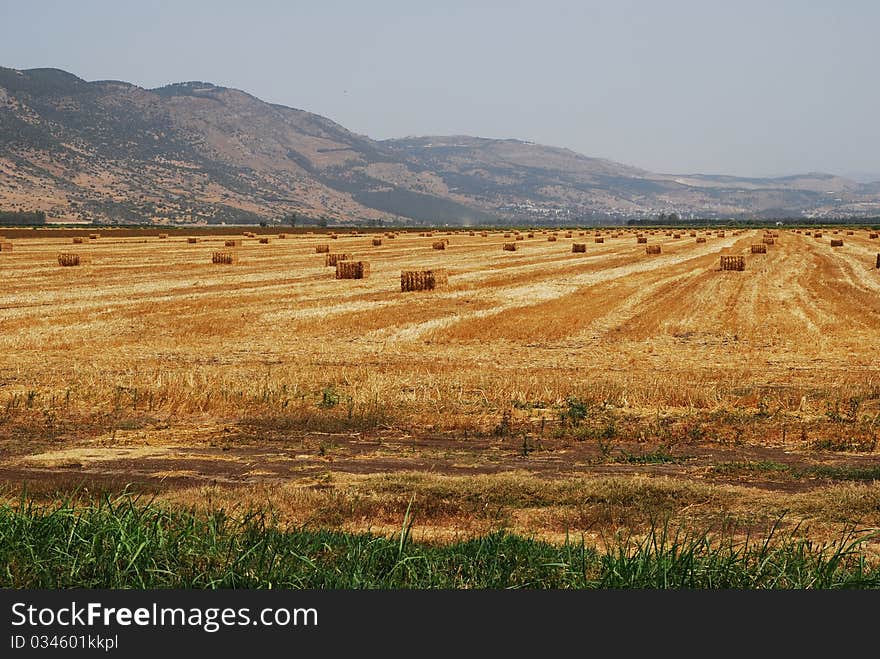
(527,390)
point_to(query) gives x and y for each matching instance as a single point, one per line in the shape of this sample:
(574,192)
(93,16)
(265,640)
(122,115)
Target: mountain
(196,152)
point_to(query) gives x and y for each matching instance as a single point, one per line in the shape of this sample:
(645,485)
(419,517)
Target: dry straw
(331,259)
(68,259)
(737,263)
(352,269)
(224,258)
(423,280)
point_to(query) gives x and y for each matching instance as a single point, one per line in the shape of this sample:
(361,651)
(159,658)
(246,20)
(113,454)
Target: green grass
(126,543)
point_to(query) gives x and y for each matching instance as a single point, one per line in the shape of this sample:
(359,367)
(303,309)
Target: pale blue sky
(748,87)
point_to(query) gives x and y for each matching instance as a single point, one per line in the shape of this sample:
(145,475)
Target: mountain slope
(109,150)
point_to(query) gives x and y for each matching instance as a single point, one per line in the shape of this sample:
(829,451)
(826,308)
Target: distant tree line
(15,218)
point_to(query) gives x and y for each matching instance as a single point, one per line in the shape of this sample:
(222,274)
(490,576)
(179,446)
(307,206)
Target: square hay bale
(282,236)
(578,247)
(676,236)
(720,234)
(509,247)
(439,244)
(471,233)
(872,236)
(737,263)
(484,234)
(352,269)
(68,260)
(235,242)
(837,242)
(423,280)
(264,240)
(701,239)
(377,242)
(568,234)
(94,236)
(333,236)
(391,236)
(224,258)
(817,234)
(77,241)
(192,241)
(507,235)
(551,239)
(769,241)
(322,249)
(332,258)
(878,262)
(759,248)
(599,240)
(692,234)
(652,249)
(5,246)
(641,239)
(519,237)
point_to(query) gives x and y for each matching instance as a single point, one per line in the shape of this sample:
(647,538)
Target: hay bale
(224,258)
(352,269)
(692,234)
(507,235)
(484,234)
(837,242)
(509,247)
(377,242)
(192,241)
(568,234)
(332,258)
(264,241)
(701,239)
(519,237)
(77,241)
(333,236)
(599,240)
(759,248)
(737,263)
(530,235)
(872,236)
(720,234)
(163,236)
(68,260)
(769,241)
(423,280)
(878,261)
(235,242)
(578,247)
(641,239)
(5,246)
(282,236)
(676,236)
(322,249)
(471,233)
(440,244)
(652,249)
(551,239)
(391,236)
(94,236)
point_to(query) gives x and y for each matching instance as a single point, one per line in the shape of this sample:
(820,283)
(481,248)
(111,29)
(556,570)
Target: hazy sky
(747,87)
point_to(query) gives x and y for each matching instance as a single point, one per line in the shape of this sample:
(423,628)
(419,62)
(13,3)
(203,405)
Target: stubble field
(544,392)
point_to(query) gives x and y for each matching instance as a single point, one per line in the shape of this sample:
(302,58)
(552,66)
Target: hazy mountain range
(193,151)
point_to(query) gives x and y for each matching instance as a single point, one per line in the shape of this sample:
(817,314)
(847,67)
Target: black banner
(125,623)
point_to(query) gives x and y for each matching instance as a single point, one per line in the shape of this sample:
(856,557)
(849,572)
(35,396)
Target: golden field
(541,390)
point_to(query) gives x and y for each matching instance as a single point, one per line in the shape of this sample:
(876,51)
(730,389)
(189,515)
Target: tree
(291,219)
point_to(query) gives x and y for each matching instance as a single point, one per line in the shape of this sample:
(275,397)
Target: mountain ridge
(193,151)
